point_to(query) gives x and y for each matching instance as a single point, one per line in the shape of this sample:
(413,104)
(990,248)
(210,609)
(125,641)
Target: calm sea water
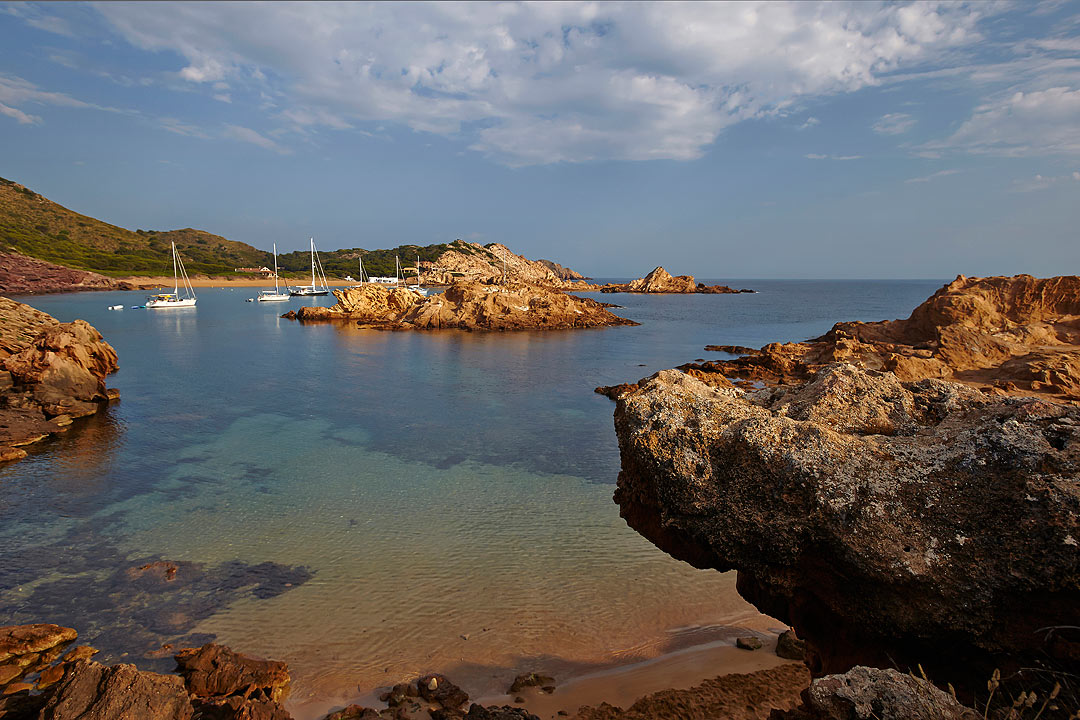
(365,504)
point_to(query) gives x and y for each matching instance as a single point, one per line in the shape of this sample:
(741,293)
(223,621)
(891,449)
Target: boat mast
(176,278)
(276,291)
(312,263)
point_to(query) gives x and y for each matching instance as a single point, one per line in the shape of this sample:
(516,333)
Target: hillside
(33,225)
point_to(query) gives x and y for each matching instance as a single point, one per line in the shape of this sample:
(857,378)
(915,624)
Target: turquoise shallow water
(367,505)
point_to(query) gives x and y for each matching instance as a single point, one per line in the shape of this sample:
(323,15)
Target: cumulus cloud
(1043,122)
(243,134)
(542,83)
(893,124)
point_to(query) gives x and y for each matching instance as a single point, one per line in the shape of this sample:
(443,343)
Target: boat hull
(167,304)
(274,298)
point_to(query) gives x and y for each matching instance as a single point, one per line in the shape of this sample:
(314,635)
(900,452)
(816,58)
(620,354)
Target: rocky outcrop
(464,306)
(91,691)
(738,696)
(50,372)
(865,693)
(661,281)
(889,522)
(1015,335)
(225,684)
(22,275)
(563,273)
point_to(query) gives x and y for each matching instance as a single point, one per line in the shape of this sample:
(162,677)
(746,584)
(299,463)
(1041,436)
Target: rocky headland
(22,275)
(1009,335)
(905,494)
(50,373)
(661,281)
(465,306)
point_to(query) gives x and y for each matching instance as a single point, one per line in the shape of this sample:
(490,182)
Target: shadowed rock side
(890,523)
(22,275)
(465,306)
(750,696)
(661,281)
(50,372)
(1013,334)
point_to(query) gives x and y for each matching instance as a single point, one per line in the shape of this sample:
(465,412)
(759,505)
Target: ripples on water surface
(368,504)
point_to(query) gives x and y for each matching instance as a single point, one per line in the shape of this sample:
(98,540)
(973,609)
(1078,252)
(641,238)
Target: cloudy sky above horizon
(732,140)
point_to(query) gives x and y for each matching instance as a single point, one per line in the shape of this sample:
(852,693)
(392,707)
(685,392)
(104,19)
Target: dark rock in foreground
(92,691)
(888,522)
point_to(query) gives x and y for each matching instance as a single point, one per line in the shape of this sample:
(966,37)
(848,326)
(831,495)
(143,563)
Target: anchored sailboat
(418,289)
(275,295)
(173,299)
(316,274)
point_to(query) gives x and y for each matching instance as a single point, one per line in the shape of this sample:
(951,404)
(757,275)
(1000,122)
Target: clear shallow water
(367,504)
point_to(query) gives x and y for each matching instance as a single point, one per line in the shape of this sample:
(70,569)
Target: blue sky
(722,140)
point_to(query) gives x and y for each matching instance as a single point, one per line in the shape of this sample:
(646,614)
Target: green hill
(36,226)
(33,225)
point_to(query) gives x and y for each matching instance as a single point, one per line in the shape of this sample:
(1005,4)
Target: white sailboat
(275,295)
(316,274)
(173,299)
(418,289)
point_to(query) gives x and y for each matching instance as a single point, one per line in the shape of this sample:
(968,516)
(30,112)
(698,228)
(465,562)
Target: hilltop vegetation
(344,262)
(33,225)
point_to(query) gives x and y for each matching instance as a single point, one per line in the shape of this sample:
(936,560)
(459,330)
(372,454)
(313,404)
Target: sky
(729,140)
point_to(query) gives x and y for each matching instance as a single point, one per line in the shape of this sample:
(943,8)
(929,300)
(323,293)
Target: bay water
(370,505)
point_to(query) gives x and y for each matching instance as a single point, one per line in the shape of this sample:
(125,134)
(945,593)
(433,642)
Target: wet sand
(687,661)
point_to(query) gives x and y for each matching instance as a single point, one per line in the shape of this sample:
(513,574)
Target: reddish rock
(216,671)
(22,640)
(90,691)
(354,712)
(22,275)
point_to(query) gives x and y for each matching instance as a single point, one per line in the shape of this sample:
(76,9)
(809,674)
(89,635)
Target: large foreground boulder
(226,685)
(91,691)
(890,523)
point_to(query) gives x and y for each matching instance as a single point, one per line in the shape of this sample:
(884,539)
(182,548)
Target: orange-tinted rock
(661,281)
(1018,334)
(19,640)
(217,671)
(465,306)
(21,275)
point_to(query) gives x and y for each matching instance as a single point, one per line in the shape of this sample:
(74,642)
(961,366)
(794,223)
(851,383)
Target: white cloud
(243,134)
(223,97)
(817,156)
(542,83)
(19,115)
(809,123)
(1043,122)
(894,124)
(1043,182)
(932,176)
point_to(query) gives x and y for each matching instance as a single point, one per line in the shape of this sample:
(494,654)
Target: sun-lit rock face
(466,306)
(887,521)
(1015,335)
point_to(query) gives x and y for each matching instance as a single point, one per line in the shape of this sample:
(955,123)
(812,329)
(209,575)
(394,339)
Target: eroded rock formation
(1018,335)
(661,281)
(465,306)
(50,372)
(888,522)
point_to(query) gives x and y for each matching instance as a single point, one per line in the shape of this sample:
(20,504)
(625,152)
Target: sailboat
(173,299)
(418,290)
(316,273)
(275,295)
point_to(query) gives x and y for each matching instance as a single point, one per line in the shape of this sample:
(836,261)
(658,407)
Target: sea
(369,505)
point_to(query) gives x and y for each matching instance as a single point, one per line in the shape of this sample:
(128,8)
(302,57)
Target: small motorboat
(116,307)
